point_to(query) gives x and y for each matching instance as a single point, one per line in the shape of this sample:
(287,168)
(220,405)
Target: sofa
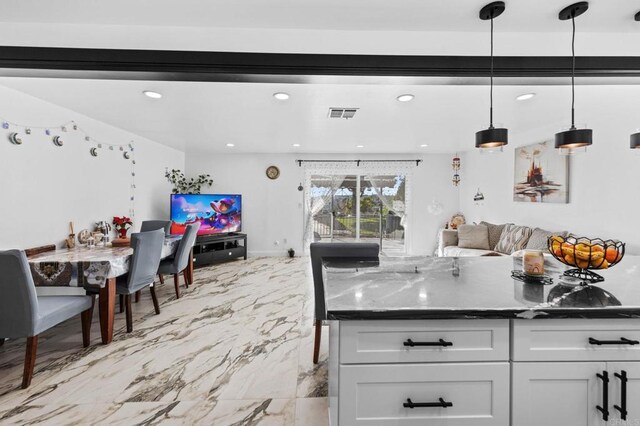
(487,239)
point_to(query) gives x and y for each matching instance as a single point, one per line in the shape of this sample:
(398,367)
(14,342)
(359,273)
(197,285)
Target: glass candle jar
(533,262)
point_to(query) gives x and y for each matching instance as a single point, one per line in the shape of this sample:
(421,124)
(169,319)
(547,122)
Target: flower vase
(122,240)
(122,233)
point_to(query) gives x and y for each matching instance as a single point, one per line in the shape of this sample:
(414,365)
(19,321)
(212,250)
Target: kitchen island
(458,341)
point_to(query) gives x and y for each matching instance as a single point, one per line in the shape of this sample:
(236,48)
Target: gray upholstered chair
(152,225)
(24,314)
(147,251)
(180,261)
(320,251)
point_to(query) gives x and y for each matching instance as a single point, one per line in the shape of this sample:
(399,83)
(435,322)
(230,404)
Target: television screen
(217,213)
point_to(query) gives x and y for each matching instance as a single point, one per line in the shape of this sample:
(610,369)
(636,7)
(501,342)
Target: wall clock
(273,172)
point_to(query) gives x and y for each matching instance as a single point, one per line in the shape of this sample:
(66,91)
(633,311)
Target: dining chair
(24,314)
(152,225)
(147,251)
(320,251)
(180,261)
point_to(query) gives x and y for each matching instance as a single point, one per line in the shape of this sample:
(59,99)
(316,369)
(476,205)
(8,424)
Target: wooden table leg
(190,267)
(107,305)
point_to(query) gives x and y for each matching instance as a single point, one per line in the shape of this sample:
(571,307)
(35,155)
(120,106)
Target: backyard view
(359,207)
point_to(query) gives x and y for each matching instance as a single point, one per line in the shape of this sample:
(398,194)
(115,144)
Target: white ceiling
(412,27)
(352,15)
(207,116)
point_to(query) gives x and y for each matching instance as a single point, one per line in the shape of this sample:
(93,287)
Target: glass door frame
(360,172)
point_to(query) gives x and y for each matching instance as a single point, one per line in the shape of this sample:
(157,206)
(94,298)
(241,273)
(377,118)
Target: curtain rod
(358,161)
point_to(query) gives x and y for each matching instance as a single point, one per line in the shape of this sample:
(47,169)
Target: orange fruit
(582,264)
(570,259)
(611,254)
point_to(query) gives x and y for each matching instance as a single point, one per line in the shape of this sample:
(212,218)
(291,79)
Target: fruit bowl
(586,255)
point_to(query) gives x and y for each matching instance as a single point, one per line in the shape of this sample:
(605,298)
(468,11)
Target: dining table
(91,268)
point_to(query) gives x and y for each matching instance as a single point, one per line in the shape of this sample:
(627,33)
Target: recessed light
(296,145)
(424,145)
(525,96)
(230,145)
(281,96)
(405,98)
(151,94)
(359,146)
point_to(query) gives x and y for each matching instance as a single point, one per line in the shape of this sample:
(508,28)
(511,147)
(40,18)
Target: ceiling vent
(342,112)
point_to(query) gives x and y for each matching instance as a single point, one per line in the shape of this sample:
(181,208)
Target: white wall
(604,183)
(273,209)
(44,187)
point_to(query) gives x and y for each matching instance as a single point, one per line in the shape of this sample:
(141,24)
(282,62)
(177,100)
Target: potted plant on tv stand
(122,225)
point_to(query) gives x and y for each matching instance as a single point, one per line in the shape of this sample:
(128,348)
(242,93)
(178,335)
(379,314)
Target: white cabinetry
(591,373)
(415,373)
(541,372)
(555,393)
(425,394)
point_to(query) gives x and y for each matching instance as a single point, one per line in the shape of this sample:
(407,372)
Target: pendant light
(635,138)
(573,138)
(492,137)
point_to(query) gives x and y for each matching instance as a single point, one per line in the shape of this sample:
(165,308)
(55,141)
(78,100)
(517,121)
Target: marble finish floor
(234,350)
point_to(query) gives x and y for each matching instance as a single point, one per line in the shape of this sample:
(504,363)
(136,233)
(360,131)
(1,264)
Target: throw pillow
(473,237)
(513,238)
(539,238)
(495,231)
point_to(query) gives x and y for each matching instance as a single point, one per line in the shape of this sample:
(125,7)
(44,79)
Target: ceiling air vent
(342,112)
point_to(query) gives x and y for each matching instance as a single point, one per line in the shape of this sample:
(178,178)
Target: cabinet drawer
(363,342)
(569,340)
(375,394)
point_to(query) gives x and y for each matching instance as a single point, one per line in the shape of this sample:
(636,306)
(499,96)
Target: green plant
(182,185)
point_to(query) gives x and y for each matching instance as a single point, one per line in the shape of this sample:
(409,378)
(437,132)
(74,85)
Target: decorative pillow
(539,238)
(473,237)
(495,231)
(513,238)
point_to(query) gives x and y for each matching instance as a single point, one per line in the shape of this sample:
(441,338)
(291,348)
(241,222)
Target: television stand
(210,249)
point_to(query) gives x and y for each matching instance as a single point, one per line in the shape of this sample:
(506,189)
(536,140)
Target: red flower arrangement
(122,224)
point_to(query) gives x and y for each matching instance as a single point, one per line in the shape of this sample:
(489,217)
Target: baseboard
(268,253)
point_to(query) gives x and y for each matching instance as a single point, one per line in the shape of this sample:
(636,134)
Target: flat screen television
(217,213)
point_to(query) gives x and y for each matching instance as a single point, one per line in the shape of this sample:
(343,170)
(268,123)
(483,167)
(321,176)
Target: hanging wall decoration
(455,164)
(478,199)
(541,175)
(15,139)
(18,130)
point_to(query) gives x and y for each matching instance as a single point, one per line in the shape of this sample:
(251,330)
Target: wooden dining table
(90,268)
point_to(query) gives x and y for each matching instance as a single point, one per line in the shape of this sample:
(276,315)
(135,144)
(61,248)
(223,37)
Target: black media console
(219,248)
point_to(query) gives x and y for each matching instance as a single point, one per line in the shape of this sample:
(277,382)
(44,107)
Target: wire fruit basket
(586,255)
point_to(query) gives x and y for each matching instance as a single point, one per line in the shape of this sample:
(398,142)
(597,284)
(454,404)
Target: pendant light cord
(573,71)
(491,90)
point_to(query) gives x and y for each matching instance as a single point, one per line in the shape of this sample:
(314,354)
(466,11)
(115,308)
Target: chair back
(320,251)
(181,258)
(147,251)
(18,299)
(152,225)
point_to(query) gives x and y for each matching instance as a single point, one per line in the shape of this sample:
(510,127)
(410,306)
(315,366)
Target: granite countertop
(473,287)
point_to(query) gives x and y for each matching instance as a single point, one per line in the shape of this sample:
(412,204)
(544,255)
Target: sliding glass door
(367,208)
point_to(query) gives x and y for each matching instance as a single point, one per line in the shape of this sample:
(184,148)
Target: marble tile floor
(234,350)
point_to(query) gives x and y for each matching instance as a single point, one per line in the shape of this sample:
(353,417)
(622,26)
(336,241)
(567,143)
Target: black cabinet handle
(441,403)
(440,342)
(622,341)
(604,409)
(623,394)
